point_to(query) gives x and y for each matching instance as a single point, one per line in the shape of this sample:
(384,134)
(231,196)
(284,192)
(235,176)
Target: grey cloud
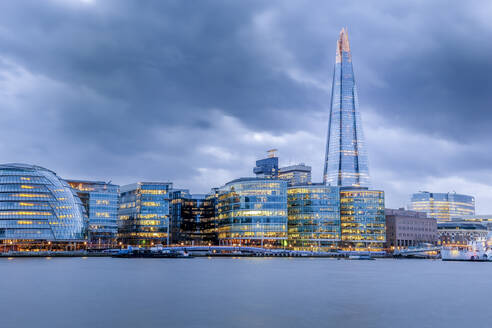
(129,90)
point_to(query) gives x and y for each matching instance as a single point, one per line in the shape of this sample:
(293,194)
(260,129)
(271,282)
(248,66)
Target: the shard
(346,157)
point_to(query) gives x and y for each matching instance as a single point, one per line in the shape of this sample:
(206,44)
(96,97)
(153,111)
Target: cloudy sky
(194,92)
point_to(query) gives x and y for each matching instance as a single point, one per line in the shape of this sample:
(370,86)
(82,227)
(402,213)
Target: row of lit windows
(153,192)
(253,235)
(23,213)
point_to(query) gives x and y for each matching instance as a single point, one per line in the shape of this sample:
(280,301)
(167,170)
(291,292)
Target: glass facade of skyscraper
(313,217)
(443,206)
(100,200)
(253,211)
(192,218)
(143,214)
(38,210)
(362,219)
(346,157)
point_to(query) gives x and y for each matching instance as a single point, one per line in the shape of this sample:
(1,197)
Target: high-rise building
(100,200)
(39,210)
(313,217)
(295,174)
(346,165)
(192,218)
(443,206)
(143,214)
(346,158)
(253,212)
(363,224)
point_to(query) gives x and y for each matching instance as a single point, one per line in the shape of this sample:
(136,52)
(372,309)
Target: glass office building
(38,210)
(443,206)
(295,174)
(253,212)
(266,168)
(362,217)
(192,218)
(313,217)
(346,157)
(143,214)
(100,200)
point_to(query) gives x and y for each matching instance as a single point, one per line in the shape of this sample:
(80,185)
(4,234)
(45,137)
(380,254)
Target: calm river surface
(243,292)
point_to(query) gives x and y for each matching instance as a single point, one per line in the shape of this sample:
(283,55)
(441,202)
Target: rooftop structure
(295,174)
(267,167)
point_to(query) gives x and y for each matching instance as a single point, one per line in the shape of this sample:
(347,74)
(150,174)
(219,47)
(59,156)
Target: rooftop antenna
(272,152)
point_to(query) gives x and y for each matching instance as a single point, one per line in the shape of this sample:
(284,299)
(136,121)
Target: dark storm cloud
(193,91)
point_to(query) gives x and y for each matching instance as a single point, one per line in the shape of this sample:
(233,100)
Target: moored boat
(151,253)
(478,250)
(361,257)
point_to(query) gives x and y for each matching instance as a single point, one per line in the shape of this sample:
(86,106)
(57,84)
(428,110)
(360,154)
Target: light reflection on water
(243,292)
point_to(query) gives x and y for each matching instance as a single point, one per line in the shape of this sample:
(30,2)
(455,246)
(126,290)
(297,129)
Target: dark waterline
(243,292)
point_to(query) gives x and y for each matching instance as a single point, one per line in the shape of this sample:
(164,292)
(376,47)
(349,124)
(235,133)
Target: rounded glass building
(38,210)
(253,212)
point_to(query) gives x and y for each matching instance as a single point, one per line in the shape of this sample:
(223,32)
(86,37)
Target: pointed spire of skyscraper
(346,157)
(343,45)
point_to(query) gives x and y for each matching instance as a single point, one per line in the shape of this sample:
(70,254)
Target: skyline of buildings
(281,207)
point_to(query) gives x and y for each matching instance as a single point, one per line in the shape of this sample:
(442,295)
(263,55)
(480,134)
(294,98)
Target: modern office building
(253,212)
(100,200)
(267,167)
(144,213)
(409,228)
(39,210)
(313,217)
(460,233)
(485,220)
(192,218)
(363,226)
(295,174)
(443,206)
(346,163)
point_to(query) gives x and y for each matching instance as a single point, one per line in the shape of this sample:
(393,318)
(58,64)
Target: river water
(243,292)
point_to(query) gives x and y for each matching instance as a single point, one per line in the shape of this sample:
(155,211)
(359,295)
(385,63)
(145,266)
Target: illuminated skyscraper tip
(343,45)
(346,158)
